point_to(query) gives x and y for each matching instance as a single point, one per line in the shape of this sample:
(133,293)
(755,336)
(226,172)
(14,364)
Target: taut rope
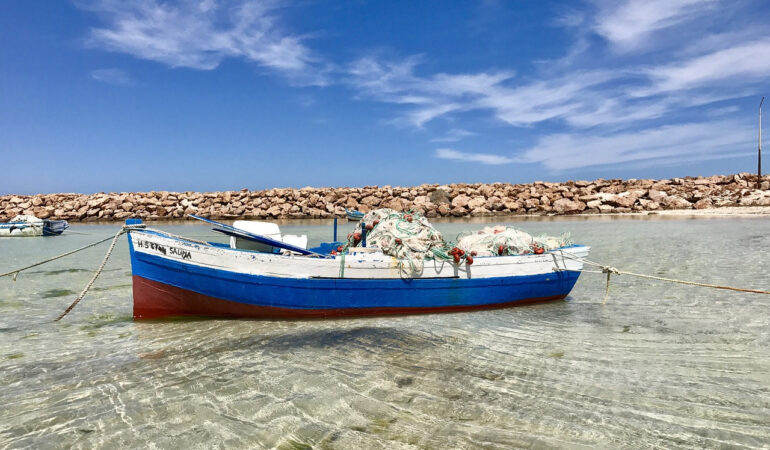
(609,270)
(125,229)
(16,271)
(96,275)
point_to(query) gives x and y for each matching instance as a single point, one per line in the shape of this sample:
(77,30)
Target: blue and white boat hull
(177,277)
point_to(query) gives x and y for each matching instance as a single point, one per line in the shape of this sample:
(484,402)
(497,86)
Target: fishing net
(411,239)
(502,240)
(406,236)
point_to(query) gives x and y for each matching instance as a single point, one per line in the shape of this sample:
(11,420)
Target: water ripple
(658,366)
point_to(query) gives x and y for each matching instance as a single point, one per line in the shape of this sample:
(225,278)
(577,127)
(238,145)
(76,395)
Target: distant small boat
(353,214)
(30,226)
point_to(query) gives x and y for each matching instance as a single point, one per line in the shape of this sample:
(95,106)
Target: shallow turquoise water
(661,365)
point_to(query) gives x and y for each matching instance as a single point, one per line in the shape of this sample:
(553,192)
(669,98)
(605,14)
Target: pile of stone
(455,200)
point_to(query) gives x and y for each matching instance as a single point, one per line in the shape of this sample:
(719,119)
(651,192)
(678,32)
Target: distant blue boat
(353,214)
(174,276)
(30,226)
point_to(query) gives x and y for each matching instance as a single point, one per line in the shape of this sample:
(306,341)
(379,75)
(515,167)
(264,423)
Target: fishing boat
(178,276)
(26,226)
(354,215)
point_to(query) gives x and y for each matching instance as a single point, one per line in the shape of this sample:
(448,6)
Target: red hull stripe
(154,300)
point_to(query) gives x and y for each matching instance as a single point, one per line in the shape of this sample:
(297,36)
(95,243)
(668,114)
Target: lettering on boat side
(151,245)
(172,251)
(180,252)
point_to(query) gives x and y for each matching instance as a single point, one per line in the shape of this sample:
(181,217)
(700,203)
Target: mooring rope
(16,271)
(96,275)
(609,270)
(123,230)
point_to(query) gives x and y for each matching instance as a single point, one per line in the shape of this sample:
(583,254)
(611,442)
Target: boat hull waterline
(176,277)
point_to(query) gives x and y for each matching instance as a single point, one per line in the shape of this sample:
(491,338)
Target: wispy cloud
(437,95)
(689,141)
(483,158)
(201,34)
(628,25)
(453,135)
(747,62)
(117,77)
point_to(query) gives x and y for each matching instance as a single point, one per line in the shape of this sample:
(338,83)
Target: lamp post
(759,148)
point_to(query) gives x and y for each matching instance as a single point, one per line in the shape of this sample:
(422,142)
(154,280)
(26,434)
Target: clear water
(660,365)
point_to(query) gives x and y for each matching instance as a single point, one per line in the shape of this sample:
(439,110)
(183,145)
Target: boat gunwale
(494,260)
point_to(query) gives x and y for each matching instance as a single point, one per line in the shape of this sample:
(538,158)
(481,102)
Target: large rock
(370,201)
(476,202)
(460,201)
(703,203)
(648,204)
(480,212)
(756,198)
(676,202)
(624,199)
(656,195)
(567,206)
(395,204)
(494,203)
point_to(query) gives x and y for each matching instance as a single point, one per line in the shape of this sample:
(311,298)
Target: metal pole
(335,229)
(363,234)
(759,150)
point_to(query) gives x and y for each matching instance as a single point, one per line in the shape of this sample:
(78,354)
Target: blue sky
(107,95)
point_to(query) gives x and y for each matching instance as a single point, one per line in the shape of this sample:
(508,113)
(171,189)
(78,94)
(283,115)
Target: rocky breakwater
(453,200)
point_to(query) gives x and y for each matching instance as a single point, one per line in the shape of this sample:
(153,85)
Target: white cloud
(747,61)
(690,141)
(200,35)
(117,77)
(453,135)
(440,94)
(628,25)
(424,115)
(558,97)
(483,158)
